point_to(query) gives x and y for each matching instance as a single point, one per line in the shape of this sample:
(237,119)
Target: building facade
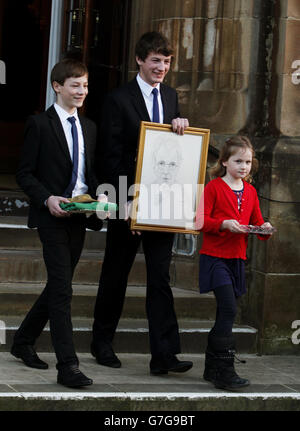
(236,70)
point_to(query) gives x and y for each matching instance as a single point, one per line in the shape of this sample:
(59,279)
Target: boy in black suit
(57,163)
(145,98)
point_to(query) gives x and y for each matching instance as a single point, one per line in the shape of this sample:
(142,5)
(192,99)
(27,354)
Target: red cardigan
(219,204)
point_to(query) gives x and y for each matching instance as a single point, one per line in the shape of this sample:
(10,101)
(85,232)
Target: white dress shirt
(146,90)
(80,186)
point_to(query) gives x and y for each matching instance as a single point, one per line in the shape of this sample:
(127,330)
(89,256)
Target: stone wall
(211,69)
(274,294)
(235,70)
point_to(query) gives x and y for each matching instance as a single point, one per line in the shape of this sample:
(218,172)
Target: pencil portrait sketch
(168,173)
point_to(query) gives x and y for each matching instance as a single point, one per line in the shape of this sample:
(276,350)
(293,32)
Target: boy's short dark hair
(68,68)
(153,42)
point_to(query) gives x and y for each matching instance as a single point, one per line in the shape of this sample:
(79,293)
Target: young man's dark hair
(68,68)
(153,42)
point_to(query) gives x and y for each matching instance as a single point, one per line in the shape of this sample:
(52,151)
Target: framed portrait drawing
(170,175)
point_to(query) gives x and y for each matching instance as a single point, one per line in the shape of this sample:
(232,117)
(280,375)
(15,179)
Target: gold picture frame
(170,176)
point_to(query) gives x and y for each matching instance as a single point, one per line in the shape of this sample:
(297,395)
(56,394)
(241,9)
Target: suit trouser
(62,248)
(120,252)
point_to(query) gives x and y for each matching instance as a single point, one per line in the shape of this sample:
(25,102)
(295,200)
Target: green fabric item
(90,206)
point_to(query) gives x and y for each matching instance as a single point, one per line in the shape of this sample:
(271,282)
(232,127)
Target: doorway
(95,31)
(24,41)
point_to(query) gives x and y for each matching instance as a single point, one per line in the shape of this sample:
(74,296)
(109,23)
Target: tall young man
(145,98)
(57,163)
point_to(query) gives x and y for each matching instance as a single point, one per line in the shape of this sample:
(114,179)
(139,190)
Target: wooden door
(24,41)
(97,32)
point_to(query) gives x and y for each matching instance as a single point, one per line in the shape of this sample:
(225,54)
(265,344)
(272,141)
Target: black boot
(219,364)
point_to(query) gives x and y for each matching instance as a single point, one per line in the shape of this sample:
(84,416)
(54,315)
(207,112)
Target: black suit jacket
(45,166)
(122,114)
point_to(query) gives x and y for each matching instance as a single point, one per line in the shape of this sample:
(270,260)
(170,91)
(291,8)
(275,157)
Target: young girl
(229,202)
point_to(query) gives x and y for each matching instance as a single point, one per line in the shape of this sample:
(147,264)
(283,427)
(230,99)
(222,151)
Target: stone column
(274,291)
(237,70)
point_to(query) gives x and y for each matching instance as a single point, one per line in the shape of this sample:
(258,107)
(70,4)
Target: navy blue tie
(70,188)
(155,106)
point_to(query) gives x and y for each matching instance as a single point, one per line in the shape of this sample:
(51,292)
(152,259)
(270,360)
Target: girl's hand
(266,225)
(232,225)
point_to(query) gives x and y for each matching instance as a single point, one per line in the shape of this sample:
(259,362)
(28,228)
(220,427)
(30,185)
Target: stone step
(28,266)
(22,245)
(132,335)
(14,234)
(131,392)
(183,407)
(17,298)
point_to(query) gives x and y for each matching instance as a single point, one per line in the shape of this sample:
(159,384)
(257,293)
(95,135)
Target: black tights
(226,311)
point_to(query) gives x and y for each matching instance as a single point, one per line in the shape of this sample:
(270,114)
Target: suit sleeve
(26,172)
(110,147)
(177,112)
(92,162)
(170,101)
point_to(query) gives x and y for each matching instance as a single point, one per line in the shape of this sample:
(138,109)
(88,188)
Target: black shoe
(105,355)
(168,363)
(28,356)
(229,380)
(72,377)
(219,364)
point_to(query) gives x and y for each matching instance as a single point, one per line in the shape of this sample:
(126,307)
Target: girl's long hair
(230,147)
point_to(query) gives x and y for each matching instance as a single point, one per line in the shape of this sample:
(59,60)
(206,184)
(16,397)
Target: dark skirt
(217,271)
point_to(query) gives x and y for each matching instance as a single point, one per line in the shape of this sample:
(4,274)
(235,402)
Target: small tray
(258,229)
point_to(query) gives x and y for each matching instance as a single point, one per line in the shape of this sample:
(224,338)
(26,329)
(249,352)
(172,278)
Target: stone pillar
(274,291)
(237,70)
